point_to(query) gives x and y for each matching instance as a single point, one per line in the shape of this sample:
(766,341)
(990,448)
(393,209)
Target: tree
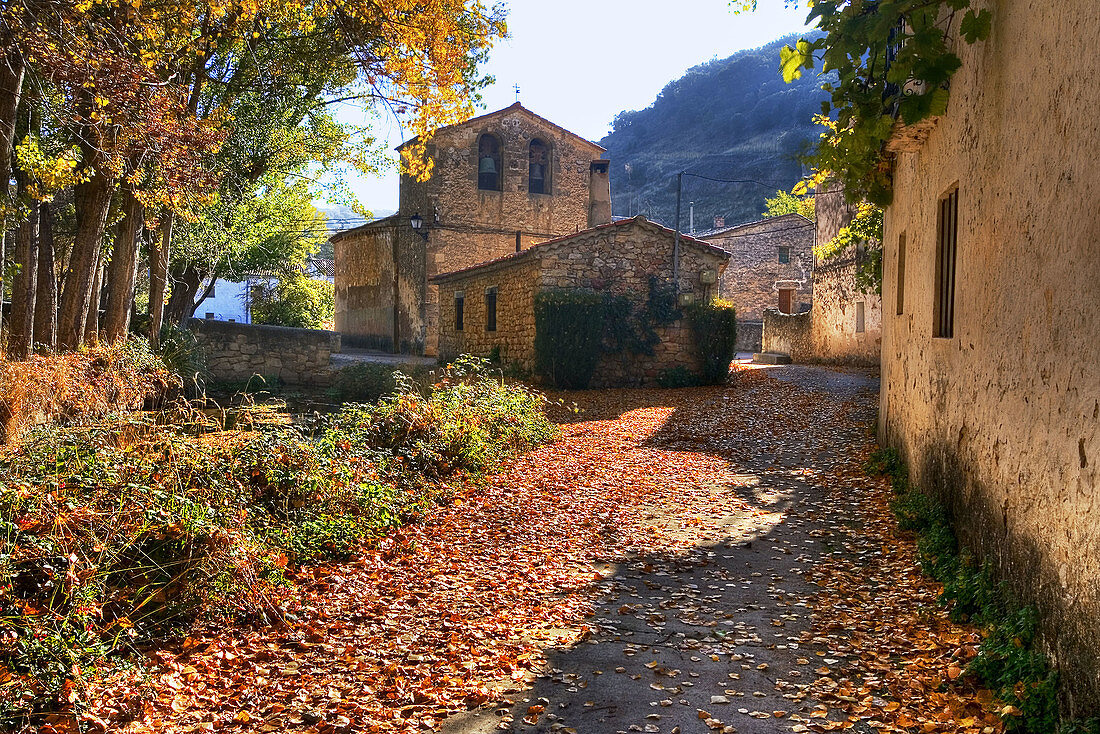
(785,202)
(893,64)
(294,300)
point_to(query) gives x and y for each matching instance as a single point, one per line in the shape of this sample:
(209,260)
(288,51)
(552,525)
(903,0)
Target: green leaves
(892,60)
(792,60)
(976,27)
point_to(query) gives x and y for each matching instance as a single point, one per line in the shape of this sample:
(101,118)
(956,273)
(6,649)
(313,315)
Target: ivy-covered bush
(714,326)
(116,531)
(569,334)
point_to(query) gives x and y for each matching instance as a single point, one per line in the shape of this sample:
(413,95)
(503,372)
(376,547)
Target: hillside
(732,118)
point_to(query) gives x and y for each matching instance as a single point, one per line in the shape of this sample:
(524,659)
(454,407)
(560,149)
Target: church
(501,183)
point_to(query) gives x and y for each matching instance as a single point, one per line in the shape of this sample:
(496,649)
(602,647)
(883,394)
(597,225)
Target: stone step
(771,358)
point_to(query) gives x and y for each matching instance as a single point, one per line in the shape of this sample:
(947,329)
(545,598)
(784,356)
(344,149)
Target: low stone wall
(788,333)
(236,352)
(750,336)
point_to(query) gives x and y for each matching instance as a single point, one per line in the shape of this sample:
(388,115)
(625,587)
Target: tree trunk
(45,308)
(92,200)
(91,324)
(12,70)
(122,270)
(24,284)
(158,277)
(181,304)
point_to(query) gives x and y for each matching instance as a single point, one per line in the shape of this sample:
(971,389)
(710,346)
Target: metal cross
(516,87)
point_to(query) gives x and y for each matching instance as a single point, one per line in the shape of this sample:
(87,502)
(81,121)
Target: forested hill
(732,118)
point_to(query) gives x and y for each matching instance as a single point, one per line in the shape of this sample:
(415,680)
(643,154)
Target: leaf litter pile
(691,535)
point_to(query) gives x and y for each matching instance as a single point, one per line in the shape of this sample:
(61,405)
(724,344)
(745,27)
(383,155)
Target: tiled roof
(786,219)
(640,220)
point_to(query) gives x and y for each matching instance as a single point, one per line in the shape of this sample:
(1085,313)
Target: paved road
(714,637)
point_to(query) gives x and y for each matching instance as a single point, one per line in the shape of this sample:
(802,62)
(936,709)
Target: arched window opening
(488,163)
(539,168)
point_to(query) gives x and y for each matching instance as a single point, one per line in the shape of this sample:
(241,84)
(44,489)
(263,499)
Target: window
(491,309)
(947,222)
(538,168)
(861,317)
(784,255)
(488,163)
(460,307)
(209,314)
(901,274)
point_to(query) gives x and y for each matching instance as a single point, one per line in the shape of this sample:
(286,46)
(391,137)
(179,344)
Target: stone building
(491,307)
(991,341)
(845,323)
(500,183)
(770,267)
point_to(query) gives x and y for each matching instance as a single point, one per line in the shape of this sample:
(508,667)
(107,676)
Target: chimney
(599,194)
(719,222)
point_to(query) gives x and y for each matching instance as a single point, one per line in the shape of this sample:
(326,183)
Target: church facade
(501,183)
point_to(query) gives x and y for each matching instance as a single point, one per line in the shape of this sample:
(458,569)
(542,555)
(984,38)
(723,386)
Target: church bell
(487,165)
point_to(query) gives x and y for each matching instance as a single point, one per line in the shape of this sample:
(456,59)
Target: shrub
(93,381)
(118,531)
(714,327)
(366,382)
(569,333)
(294,300)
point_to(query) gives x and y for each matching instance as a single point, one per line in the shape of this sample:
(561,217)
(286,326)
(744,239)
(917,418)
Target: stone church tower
(501,183)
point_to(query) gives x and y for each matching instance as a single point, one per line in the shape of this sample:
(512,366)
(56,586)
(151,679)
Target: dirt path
(676,563)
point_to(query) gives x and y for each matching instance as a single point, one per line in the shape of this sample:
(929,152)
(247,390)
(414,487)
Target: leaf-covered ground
(680,561)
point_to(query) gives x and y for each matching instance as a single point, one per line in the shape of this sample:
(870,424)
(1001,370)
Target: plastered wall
(1001,420)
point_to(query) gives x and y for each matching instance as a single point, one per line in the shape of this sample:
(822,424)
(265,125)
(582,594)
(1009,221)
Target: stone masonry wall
(618,258)
(364,286)
(1002,419)
(468,225)
(754,275)
(836,295)
(236,352)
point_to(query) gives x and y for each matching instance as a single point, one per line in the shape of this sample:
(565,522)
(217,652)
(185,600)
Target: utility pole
(676,242)
(691,218)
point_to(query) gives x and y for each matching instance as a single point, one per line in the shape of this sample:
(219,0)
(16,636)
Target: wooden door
(786,297)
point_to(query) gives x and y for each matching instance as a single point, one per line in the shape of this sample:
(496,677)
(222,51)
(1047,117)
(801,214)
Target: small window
(491,309)
(861,316)
(209,314)
(460,307)
(488,163)
(784,255)
(901,274)
(538,167)
(947,222)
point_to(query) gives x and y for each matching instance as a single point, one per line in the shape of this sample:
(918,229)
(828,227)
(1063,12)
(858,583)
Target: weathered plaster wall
(789,334)
(364,285)
(236,352)
(1003,419)
(618,258)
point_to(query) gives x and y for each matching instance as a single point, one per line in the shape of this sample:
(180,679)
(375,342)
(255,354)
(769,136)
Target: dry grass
(58,387)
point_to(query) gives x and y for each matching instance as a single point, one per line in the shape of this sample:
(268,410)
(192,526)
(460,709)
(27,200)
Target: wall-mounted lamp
(417,223)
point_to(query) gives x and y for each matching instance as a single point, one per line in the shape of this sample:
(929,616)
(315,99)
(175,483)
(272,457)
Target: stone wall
(236,352)
(789,334)
(1002,419)
(619,258)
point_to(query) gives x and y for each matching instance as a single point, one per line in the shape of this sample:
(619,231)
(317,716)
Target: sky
(581,62)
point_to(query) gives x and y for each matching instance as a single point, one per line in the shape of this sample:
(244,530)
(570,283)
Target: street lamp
(417,223)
